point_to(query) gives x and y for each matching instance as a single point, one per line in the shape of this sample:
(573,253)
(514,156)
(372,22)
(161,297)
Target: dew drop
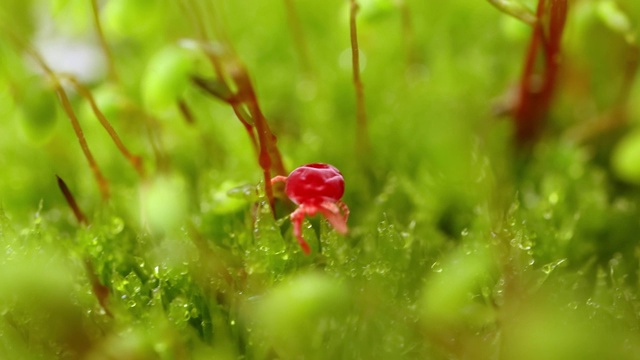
(194,313)
(548,268)
(592,303)
(573,305)
(244,192)
(117,225)
(436,267)
(344,60)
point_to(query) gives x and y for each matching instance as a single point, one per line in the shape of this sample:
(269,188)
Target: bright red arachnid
(316,188)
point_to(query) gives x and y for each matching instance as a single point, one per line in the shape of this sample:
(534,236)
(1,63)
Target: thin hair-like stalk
(134,160)
(68,196)
(362,137)
(408,35)
(113,75)
(232,85)
(100,291)
(295,27)
(103,184)
(537,85)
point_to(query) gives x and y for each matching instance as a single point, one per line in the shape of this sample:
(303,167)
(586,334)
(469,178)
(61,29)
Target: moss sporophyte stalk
(153,206)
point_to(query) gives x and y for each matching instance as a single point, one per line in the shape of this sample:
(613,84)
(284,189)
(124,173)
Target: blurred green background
(463,243)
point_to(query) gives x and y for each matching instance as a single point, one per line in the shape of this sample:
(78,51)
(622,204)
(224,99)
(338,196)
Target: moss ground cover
(493,187)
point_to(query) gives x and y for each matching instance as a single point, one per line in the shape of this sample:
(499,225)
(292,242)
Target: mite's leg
(332,213)
(344,209)
(297,217)
(278,178)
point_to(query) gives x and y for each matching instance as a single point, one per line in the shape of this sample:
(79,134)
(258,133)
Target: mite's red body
(316,188)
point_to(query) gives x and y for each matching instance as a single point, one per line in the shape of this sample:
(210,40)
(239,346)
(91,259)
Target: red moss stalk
(134,160)
(233,85)
(186,112)
(100,291)
(68,196)
(269,156)
(537,85)
(220,90)
(247,109)
(103,184)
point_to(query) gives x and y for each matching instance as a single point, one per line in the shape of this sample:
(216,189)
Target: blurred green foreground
(464,242)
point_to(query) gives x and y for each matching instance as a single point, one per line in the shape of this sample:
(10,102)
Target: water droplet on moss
(436,267)
(117,225)
(264,208)
(592,303)
(548,268)
(521,241)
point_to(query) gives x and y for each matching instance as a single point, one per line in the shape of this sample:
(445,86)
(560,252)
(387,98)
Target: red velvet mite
(316,188)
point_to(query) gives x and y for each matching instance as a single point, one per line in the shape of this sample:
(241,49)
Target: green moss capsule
(166,77)
(299,311)
(625,159)
(37,114)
